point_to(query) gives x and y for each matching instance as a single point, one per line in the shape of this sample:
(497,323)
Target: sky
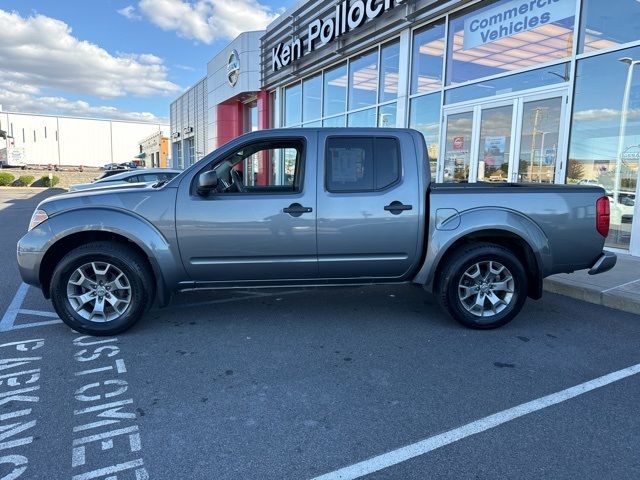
(124,59)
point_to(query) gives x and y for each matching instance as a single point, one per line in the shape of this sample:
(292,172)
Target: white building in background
(74,141)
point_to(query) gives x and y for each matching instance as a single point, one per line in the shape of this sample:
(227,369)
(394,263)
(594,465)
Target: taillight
(602,216)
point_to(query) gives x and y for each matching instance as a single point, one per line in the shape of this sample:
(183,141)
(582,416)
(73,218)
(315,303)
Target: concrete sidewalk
(618,288)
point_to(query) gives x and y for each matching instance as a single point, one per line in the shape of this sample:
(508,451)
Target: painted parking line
(427,445)
(8,321)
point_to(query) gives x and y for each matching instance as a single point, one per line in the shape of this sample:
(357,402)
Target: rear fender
(491,221)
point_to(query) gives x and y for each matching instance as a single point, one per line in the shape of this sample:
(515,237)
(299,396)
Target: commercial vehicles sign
(514,17)
(348,16)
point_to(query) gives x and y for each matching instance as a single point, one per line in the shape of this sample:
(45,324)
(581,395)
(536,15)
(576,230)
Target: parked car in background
(111,166)
(128,165)
(112,178)
(357,206)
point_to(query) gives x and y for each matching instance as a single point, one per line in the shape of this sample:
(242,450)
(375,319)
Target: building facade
(188,117)
(154,151)
(531,91)
(74,141)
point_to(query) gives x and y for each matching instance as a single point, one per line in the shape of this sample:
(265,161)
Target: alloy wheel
(99,292)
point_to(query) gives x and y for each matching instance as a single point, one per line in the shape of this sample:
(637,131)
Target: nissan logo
(233,68)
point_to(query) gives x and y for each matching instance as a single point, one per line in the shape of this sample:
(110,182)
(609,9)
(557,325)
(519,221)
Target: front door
(253,230)
(513,139)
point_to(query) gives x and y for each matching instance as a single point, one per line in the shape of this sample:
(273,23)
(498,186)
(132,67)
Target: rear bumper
(605,262)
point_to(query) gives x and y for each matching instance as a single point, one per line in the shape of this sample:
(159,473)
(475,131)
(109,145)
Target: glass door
(494,149)
(515,139)
(540,128)
(456,160)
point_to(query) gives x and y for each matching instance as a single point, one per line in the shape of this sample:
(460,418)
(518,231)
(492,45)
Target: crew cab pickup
(311,207)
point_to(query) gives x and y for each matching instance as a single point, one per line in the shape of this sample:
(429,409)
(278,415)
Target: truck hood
(131,197)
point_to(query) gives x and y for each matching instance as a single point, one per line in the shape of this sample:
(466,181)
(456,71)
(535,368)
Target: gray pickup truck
(311,207)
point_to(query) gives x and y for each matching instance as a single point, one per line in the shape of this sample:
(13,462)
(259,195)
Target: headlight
(37,218)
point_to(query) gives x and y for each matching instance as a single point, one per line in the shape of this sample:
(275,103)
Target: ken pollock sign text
(347,17)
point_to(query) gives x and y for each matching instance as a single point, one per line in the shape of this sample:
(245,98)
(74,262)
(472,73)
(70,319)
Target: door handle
(396,208)
(295,210)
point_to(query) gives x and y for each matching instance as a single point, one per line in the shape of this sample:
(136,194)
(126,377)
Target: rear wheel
(101,288)
(483,286)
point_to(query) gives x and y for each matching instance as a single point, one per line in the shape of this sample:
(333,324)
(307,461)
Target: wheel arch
(135,233)
(506,228)
(503,238)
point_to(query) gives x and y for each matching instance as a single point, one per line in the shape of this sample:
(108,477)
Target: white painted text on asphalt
(19,376)
(104,422)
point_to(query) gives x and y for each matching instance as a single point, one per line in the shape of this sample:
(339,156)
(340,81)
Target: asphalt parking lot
(341,382)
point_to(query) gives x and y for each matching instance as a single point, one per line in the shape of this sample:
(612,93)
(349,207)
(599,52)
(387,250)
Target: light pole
(542,156)
(635,243)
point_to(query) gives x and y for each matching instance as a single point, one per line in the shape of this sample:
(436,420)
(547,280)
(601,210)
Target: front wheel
(483,286)
(101,288)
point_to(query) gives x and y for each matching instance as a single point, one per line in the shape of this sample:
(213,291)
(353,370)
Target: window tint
(361,164)
(132,179)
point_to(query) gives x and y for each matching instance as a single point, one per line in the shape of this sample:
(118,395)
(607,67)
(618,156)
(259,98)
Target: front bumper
(30,252)
(605,262)
(29,266)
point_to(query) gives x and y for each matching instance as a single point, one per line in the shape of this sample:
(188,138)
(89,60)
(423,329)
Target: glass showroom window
(389,72)
(292,105)
(339,121)
(428,54)
(362,118)
(312,98)
(424,116)
(502,36)
(335,90)
(363,81)
(603,149)
(540,77)
(608,24)
(387,115)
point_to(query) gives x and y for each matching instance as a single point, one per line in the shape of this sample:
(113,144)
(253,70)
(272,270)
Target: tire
(483,286)
(106,308)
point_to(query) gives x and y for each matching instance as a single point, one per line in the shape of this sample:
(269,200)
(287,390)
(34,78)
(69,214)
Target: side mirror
(207,182)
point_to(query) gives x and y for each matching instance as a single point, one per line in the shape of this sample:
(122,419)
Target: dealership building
(530,91)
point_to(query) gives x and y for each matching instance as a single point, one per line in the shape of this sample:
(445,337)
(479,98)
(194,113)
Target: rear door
(368,206)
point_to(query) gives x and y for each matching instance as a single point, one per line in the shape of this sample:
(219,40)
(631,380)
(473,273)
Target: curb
(616,298)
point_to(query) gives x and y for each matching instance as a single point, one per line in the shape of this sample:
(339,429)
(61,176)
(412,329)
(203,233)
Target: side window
(360,164)
(264,167)
(132,179)
(149,177)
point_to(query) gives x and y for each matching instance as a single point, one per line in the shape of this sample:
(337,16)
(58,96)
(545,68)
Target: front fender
(482,220)
(162,253)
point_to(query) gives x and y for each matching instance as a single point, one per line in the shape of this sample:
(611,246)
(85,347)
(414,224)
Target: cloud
(604,114)
(25,101)
(41,52)
(129,12)
(184,67)
(208,20)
